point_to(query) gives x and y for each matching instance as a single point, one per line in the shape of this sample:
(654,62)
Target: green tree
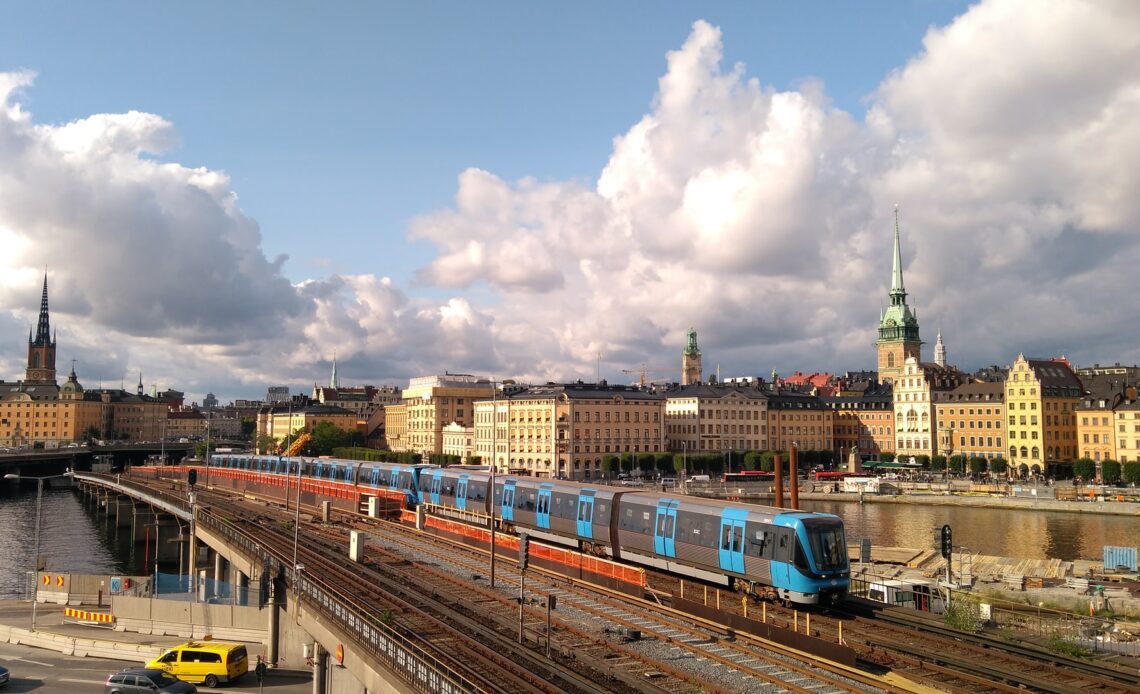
(957,463)
(611,466)
(627,462)
(768,461)
(999,466)
(937,463)
(90,434)
(923,460)
(752,460)
(266,444)
(327,436)
(645,462)
(977,465)
(1130,472)
(248,426)
(1110,471)
(1084,469)
(887,457)
(664,463)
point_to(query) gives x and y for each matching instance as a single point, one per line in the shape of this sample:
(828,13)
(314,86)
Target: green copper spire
(898,323)
(896,274)
(692,348)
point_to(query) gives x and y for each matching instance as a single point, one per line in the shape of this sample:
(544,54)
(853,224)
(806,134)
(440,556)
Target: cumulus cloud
(761,217)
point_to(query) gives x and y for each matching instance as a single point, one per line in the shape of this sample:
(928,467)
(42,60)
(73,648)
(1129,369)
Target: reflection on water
(70,540)
(999,532)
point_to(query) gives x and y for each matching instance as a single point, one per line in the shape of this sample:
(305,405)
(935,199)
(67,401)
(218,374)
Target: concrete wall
(190,620)
(82,647)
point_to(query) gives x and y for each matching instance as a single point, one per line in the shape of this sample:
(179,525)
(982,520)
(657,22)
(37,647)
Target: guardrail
(397,654)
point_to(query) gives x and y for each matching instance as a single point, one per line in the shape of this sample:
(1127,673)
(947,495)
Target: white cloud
(760,217)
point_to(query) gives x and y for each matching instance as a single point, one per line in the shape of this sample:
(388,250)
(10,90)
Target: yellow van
(209,662)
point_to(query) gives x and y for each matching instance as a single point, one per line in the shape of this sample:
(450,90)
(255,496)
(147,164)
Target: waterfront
(71,540)
(998,532)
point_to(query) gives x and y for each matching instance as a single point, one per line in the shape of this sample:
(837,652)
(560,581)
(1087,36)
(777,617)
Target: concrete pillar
(320,664)
(142,517)
(241,587)
(274,626)
(219,576)
(124,509)
(168,546)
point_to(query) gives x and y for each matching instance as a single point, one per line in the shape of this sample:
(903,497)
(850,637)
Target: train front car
(819,571)
(768,552)
(393,481)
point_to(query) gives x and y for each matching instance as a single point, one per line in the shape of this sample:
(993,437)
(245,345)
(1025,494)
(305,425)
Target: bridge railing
(396,652)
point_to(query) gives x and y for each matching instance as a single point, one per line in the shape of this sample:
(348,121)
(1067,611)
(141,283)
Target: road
(46,672)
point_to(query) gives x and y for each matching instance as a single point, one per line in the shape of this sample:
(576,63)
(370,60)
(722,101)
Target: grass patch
(1059,644)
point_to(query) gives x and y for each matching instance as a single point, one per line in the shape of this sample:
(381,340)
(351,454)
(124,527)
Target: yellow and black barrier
(86,616)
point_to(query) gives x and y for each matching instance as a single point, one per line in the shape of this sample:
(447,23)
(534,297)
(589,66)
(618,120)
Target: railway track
(487,663)
(926,651)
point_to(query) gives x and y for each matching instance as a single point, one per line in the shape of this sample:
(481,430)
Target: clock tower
(898,325)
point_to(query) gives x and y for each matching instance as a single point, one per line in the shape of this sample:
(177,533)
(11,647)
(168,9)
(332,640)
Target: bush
(937,463)
(1059,644)
(977,465)
(963,616)
(999,466)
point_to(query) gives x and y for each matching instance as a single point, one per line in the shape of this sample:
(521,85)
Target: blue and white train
(773,553)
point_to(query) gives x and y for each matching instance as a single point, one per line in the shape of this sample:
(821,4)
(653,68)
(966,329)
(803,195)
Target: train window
(726,537)
(601,509)
(669,525)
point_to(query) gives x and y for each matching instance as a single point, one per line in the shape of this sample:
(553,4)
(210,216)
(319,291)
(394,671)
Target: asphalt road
(46,672)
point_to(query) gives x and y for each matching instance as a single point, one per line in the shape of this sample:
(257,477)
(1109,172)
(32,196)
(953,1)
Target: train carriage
(392,480)
(565,512)
(774,553)
(457,489)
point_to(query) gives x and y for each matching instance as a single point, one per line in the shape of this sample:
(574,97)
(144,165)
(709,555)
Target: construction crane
(644,371)
(298,444)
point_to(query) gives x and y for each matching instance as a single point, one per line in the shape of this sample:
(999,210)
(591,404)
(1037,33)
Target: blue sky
(511,189)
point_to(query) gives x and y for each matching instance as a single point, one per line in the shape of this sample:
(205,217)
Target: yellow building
(716,418)
(1127,435)
(459,441)
(971,421)
(1096,426)
(279,422)
(396,427)
(801,419)
(567,429)
(433,402)
(864,420)
(1041,397)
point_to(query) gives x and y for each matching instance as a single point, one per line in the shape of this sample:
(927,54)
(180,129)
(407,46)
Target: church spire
(334,382)
(898,292)
(43,329)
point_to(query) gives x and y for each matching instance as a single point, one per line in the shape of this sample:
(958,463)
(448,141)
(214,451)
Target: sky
(225,195)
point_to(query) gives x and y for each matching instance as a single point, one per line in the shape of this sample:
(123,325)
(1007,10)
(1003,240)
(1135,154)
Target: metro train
(773,553)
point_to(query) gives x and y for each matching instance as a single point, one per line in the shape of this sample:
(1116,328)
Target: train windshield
(828,544)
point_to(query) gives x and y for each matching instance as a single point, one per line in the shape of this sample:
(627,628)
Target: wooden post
(841,633)
(764,612)
(718,599)
(796,618)
(706,595)
(807,617)
(744,605)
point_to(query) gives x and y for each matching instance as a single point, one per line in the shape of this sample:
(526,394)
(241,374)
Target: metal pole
(36,556)
(522,599)
(494,466)
(297,516)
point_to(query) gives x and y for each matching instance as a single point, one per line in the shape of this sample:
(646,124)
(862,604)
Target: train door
(507,508)
(586,514)
(435,485)
(374,477)
(665,528)
(461,493)
(732,539)
(542,510)
(782,556)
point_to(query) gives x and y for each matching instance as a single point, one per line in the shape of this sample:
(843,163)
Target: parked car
(3,675)
(144,681)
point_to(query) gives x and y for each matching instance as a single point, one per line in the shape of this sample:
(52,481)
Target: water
(71,540)
(997,532)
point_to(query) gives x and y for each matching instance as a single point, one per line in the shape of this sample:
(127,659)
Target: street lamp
(494,466)
(36,556)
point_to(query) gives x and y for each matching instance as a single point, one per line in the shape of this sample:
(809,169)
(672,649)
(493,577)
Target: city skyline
(734,172)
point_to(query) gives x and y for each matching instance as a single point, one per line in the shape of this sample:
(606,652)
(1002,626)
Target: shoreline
(1103,508)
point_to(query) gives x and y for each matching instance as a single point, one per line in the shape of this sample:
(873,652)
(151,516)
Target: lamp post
(494,466)
(685,458)
(297,515)
(36,556)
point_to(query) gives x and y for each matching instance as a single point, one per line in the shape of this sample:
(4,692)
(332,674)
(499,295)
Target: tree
(887,457)
(999,466)
(957,463)
(90,434)
(626,462)
(248,426)
(937,463)
(977,465)
(1130,472)
(1084,469)
(665,463)
(327,436)
(752,460)
(923,460)
(1110,471)
(645,462)
(610,464)
(266,444)
(768,461)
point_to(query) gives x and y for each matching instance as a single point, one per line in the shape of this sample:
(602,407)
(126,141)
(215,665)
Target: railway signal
(524,551)
(947,542)
(192,477)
